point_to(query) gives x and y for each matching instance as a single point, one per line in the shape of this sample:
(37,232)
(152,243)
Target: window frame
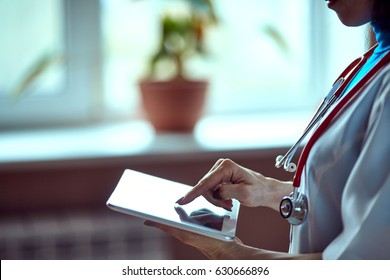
(82,91)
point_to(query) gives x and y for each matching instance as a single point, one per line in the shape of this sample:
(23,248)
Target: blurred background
(72,116)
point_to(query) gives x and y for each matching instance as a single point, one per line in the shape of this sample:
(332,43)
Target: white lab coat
(347,181)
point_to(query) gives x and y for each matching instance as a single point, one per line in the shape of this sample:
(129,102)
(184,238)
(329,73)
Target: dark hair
(381,12)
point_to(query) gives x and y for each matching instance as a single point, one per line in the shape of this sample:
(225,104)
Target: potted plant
(175,104)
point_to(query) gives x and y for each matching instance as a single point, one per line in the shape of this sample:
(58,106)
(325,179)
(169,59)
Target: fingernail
(150,223)
(227,209)
(229,206)
(179,200)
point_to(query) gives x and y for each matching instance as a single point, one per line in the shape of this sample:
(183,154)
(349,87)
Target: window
(253,59)
(23,41)
(51,45)
(262,56)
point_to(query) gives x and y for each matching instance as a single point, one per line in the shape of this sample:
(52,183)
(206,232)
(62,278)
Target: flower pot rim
(173,81)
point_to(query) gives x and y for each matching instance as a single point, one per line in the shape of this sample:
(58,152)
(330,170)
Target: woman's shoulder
(380,84)
(383,83)
(384,74)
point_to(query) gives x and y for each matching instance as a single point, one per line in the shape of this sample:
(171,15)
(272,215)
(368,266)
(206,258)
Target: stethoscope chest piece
(294,208)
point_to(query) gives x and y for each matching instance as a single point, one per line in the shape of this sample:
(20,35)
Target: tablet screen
(153,198)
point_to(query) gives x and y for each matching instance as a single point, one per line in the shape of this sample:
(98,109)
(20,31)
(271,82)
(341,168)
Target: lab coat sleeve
(366,197)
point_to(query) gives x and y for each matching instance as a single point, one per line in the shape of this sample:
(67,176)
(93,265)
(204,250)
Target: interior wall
(30,189)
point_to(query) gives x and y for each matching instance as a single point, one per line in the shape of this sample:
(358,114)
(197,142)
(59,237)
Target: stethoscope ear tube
(325,105)
(294,207)
(336,110)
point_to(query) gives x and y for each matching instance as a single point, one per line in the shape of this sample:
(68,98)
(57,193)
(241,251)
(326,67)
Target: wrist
(226,250)
(276,191)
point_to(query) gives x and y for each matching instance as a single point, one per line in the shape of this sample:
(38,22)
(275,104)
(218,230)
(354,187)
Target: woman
(346,177)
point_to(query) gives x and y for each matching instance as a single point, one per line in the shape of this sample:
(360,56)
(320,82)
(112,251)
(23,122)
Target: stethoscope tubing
(294,207)
(327,102)
(342,104)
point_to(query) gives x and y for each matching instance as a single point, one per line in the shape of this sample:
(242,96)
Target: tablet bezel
(129,186)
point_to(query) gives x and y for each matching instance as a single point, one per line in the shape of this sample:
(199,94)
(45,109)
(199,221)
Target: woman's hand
(226,250)
(227,180)
(210,247)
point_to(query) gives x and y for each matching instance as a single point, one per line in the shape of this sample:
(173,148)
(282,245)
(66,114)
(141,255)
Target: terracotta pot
(174,105)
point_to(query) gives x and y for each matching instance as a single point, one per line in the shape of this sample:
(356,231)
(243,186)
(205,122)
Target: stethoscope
(294,207)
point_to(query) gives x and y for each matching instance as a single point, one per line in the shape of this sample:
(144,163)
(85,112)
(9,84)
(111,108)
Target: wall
(83,186)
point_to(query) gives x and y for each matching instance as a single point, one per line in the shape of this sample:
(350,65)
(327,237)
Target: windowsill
(138,139)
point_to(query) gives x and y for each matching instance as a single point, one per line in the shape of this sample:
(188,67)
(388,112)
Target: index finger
(211,182)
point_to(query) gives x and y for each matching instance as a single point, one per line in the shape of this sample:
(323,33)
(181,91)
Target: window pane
(31,33)
(256,53)
(260,51)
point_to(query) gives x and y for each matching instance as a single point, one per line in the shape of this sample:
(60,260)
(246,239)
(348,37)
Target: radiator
(80,236)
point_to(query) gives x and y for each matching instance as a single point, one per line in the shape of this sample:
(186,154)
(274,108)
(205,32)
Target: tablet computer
(153,198)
